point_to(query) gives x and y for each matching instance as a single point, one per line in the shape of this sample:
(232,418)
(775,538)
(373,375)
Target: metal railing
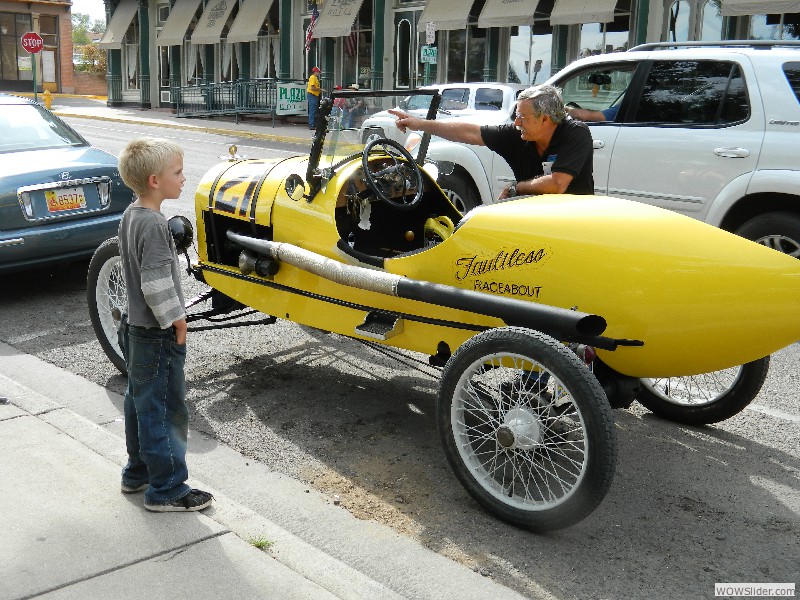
(228,98)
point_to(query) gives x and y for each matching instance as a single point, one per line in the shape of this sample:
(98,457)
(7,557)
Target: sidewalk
(94,107)
(67,532)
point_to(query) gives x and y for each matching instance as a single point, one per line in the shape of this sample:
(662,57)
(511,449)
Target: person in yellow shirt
(313,93)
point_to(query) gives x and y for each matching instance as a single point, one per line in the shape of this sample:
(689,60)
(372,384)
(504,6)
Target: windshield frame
(329,150)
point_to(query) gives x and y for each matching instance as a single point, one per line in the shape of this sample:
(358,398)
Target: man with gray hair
(548,151)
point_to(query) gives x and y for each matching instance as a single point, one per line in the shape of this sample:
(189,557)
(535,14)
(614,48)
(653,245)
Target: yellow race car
(543,312)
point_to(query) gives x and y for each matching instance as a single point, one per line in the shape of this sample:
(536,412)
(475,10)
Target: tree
(80,29)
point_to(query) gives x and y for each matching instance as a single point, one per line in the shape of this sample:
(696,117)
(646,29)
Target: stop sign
(32,42)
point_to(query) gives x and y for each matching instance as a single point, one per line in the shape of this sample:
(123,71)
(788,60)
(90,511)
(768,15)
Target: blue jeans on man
(156,416)
(313,106)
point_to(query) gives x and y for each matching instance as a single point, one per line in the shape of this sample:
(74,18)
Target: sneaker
(132,489)
(194,500)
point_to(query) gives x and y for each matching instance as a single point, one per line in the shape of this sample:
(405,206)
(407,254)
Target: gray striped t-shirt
(150,267)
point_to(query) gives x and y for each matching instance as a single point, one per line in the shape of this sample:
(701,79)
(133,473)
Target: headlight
(412,141)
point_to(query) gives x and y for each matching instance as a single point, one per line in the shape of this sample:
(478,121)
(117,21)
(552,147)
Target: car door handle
(597,144)
(732,152)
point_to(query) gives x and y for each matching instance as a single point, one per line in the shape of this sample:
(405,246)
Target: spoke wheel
(106,297)
(390,172)
(706,398)
(526,428)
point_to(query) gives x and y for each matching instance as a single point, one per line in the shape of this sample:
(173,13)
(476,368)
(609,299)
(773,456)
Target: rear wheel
(107,296)
(777,230)
(460,190)
(526,428)
(706,398)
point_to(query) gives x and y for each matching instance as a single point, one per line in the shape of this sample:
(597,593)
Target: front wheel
(460,191)
(706,398)
(107,296)
(526,428)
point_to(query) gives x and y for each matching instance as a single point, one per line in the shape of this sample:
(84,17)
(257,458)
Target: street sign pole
(33,43)
(33,62)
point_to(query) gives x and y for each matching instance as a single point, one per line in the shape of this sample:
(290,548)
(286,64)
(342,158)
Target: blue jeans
(313,106)
(156,417)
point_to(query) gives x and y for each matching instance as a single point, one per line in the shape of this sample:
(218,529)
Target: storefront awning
(445,14)
(120,21)
(248,22)
(573,12)
(178,21)
(336,18)
(209,29)
(735,8)
(507,13)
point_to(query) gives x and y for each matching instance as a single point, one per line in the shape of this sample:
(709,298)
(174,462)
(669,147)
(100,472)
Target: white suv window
(693,93)
(792,72)
(599,88)
(488,99)
(455,99)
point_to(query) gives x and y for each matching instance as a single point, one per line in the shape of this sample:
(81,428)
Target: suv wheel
(778,230)
(460,190)
(372,133)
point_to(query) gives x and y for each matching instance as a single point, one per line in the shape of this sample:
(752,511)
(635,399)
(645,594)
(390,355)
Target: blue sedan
(60,198)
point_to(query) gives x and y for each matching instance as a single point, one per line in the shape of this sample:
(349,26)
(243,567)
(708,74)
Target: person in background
(152,334)
(313,93)
(597,116)
(356,107)
(548,151)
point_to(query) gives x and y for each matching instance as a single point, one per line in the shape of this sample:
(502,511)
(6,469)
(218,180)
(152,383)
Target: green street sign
(428,54)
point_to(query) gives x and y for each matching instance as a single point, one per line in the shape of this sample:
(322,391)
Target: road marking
(774,412)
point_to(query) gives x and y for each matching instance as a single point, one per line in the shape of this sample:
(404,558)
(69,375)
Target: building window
(602,38)
(678,22)
(15,63)
(403,54)
(48,29)
(710,21)
(785,26)
(130,58)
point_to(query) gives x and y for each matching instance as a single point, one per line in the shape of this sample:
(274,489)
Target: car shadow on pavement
(690,506)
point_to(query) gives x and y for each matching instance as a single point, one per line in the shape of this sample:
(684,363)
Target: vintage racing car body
(512,299)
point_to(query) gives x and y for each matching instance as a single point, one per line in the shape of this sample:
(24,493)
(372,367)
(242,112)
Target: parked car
(487,102)
(60,198)
(708,130)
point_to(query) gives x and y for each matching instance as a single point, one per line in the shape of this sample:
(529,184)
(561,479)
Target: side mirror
(295,187)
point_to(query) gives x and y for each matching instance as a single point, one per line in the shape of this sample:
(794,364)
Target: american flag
(351,43)
(310,30)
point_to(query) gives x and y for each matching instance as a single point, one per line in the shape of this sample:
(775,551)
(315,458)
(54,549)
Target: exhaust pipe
(560,323)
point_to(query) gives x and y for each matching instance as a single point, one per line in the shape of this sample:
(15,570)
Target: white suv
(480,102)
(708,130)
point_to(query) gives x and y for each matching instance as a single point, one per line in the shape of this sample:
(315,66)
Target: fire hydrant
(48,99)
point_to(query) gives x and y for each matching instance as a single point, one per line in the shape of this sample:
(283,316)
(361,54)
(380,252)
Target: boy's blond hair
(144,157)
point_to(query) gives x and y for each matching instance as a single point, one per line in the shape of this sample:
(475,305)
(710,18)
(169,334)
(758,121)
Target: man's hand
(404,120)
(180,331)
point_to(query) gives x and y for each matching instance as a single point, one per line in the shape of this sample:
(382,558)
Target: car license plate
(65,199)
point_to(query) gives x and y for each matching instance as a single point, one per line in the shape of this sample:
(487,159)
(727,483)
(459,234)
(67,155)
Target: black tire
(707,398)
(372,133)
(105,292)
(777,230)
(460,190)
(539,453)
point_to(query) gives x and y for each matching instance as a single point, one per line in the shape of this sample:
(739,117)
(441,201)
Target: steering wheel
(572,105)
(391,173)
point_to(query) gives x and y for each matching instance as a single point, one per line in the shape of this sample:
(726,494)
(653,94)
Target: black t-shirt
(570,151)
